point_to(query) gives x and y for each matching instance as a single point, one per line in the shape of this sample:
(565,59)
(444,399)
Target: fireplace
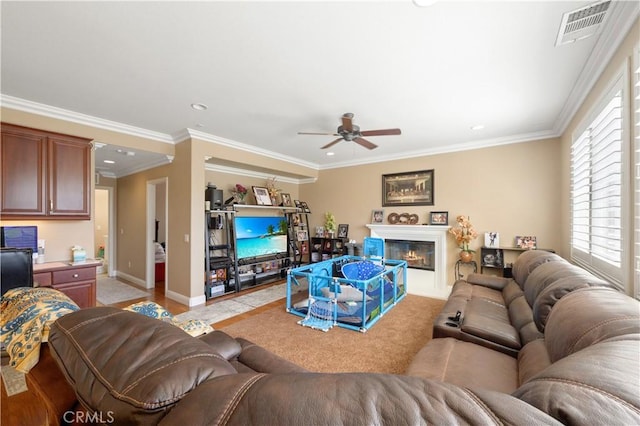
(417,254)
(426,277)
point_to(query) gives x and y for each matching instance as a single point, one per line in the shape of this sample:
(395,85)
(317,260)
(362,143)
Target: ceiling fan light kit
(351,133)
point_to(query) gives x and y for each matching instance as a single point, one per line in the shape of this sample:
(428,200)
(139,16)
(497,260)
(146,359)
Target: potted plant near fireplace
(464,234)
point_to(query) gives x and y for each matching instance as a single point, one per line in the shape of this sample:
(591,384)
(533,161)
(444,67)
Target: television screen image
(260,236)
(20,237)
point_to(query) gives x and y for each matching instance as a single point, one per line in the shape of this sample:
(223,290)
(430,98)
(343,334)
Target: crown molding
(465,146)
(255,174)
(247,148)
(622,16)
(79,118)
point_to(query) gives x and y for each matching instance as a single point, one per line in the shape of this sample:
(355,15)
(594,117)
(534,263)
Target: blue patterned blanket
(27,314)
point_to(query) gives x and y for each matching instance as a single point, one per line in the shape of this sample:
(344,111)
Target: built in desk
(76,280)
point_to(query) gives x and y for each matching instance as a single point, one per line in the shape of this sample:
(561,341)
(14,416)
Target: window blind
(596,190)
(636,170)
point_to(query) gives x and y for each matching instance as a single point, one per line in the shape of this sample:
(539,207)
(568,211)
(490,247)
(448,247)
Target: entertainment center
(249,245)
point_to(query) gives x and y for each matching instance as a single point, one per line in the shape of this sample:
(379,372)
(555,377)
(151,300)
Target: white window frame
(617,275)
(635,114)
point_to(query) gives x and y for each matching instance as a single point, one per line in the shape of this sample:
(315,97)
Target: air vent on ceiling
(582,23)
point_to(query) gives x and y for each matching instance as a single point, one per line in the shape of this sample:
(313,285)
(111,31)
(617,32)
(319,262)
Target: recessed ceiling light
(109,161)
(477,127)
(331,153)
(199,107)
(424,3)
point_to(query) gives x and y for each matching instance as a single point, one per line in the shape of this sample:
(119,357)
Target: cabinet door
(22,160)
(69,161)
(81,292)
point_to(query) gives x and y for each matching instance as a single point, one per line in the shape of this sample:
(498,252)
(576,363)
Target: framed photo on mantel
(439,218)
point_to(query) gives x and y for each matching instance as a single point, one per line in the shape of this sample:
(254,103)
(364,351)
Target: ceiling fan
(350,132)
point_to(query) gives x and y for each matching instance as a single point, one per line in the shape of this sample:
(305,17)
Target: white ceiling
(267,70)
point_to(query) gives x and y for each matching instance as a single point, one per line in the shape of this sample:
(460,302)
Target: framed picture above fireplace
(408,189)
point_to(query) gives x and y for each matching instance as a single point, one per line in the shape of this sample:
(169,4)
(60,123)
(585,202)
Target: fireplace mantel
(423,283)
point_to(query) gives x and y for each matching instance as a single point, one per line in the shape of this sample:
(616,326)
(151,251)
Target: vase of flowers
(273,191)
(239,193)
(464,234)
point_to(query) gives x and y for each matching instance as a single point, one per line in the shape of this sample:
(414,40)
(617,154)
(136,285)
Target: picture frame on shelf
(343,230)
(408,189)
(319,231)
(305,207)
(491,239)
(304,247)
(492,257)
(302,235)
(286,199)
(439,218)
(297,203)
(377,216)
(262,196)
(526,242)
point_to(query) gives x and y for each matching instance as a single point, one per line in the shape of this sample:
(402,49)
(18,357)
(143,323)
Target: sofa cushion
(588,316)
(532,359)
(223,344)
(490,321)
(510,292)
(346,399)
(448,360)
(520,313)
(599,385)
(130,365)
(489,281)
(260,360)
(470,291)
(530,260)
(560,288)
(545,275)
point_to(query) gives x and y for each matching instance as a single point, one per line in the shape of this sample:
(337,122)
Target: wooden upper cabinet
(22,159)
(44,175)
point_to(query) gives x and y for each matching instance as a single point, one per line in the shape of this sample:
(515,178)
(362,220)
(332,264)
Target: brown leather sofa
(128,369)
(506,314)
(584,369)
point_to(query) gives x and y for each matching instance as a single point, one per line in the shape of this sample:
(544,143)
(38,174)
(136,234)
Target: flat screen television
(260,236)
(19,237)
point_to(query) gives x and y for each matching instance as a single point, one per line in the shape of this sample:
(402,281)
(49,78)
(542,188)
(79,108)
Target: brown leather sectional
(582,369)
(506,314)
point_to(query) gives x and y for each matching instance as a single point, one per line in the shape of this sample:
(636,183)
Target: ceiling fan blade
(330,144)
(365,143)
(382,132)
(347,122)
(316,133)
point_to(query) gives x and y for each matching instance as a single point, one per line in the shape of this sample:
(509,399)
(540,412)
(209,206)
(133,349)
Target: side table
(457,274)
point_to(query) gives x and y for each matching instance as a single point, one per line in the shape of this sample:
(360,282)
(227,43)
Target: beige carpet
(387,347)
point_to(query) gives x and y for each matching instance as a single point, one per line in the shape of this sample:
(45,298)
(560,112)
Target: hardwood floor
(157,295)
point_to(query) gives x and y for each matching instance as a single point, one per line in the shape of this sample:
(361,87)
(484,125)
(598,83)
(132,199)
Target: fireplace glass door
(417,254)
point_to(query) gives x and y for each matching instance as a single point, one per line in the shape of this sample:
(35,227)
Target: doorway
(104,236)
(157,233)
